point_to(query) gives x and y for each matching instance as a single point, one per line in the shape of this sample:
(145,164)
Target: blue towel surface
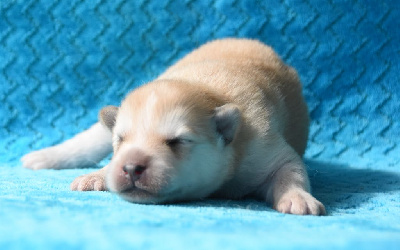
(61,61)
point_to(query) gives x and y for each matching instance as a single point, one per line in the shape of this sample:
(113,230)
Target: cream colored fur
(228,120)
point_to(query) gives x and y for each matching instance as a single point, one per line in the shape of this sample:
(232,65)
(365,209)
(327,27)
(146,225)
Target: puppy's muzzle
(135,164)
(131,170)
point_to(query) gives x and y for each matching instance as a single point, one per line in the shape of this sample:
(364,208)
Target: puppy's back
(231,49)
(252,75)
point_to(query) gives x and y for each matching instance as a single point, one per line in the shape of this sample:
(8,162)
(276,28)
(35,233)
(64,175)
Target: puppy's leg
(288,188)
(95,181)
(84,149)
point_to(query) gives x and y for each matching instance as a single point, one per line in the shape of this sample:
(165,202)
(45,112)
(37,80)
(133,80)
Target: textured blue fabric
(61,61)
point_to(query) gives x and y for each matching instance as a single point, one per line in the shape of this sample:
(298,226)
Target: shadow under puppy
(228,120)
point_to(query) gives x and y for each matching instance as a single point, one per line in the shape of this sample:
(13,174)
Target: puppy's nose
(134,171)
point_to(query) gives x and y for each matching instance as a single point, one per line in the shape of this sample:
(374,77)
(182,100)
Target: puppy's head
(171,143)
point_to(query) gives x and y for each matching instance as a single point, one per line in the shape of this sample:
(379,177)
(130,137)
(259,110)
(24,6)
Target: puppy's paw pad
(89,182)
(41,159)
(299,202)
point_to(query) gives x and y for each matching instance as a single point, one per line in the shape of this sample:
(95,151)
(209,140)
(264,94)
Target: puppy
(227,121)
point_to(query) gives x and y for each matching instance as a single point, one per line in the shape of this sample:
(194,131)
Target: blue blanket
(61,61)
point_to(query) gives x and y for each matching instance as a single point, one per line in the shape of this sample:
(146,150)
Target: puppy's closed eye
(120,138)
(174,142)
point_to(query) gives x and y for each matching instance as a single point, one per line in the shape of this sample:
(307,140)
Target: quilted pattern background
(61,61)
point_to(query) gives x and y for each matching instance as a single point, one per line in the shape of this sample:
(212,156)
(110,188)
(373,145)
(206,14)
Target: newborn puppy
(228,121)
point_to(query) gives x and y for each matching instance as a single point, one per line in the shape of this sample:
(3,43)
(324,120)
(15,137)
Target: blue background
(61,61)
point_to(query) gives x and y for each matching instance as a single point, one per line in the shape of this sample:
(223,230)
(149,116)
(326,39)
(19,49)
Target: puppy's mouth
(138,195)
(128,190)
(136,187)
(133,188)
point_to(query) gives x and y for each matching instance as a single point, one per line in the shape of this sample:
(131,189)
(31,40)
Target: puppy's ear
(107,116)
(227,120)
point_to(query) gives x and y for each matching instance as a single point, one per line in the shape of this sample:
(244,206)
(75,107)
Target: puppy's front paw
(89,182)
(299,202)
(42,159)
